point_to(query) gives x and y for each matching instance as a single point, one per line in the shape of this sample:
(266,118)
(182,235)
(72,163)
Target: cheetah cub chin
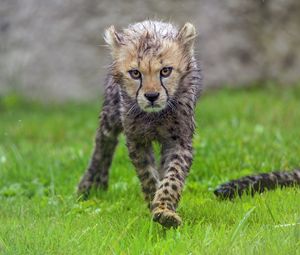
(151,91)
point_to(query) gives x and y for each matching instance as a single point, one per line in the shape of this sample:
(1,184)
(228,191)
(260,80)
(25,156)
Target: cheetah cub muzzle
(150,94)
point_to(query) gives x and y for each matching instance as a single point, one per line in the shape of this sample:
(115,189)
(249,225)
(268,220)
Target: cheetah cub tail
(257,183)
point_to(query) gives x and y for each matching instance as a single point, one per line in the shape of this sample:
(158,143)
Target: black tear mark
(137,92)
(162,84)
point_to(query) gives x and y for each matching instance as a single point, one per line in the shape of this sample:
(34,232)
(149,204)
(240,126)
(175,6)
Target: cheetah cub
(151,91)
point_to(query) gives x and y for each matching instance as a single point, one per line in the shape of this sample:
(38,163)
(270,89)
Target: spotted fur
(131,106)
(257,184)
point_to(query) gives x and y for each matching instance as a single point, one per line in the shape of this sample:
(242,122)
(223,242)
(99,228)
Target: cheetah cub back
(150,94)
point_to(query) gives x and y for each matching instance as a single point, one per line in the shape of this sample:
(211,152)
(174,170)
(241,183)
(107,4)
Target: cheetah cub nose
(152,96)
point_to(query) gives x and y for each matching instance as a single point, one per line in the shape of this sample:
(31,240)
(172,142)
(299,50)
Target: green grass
(44,150)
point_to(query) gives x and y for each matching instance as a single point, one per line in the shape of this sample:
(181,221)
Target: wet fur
(149,46)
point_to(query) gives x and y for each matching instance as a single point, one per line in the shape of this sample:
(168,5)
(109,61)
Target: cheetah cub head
(149,60)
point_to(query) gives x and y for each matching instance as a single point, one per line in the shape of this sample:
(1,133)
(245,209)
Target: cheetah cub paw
(166,218)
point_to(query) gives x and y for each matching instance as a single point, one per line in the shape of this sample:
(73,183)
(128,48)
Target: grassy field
(44,149)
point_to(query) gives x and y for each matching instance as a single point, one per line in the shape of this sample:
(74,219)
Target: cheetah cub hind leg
(97,174)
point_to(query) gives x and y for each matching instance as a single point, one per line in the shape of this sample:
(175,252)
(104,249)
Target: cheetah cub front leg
(177,161)
(142,157)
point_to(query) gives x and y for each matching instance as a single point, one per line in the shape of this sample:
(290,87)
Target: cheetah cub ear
(113,39)
(186,36)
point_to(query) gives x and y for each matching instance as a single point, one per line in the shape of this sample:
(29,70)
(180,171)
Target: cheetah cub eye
(135,74)
(166,71)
